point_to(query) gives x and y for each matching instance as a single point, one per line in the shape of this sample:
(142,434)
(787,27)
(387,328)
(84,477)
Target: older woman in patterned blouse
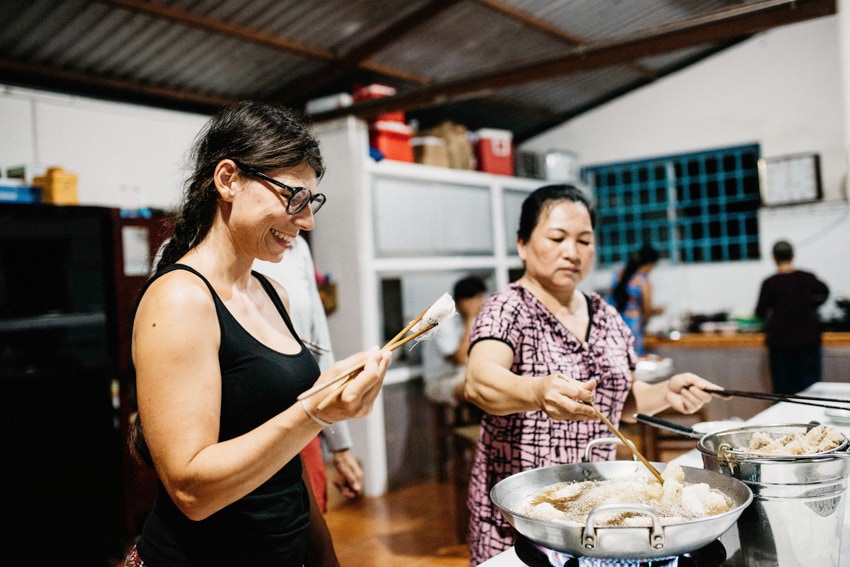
(541,351)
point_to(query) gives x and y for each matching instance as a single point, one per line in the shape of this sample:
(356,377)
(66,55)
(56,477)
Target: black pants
(795,369)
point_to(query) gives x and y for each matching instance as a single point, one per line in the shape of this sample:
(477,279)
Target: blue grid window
(695,207)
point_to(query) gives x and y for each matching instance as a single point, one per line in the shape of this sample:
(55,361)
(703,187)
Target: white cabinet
(395,236)
(418,217)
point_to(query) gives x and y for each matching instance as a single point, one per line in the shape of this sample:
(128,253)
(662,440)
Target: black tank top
(268,526)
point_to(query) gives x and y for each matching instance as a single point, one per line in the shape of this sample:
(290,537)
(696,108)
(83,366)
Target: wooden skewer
(389,346)
(628,444)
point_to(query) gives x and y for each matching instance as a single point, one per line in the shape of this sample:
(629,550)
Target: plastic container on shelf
(18,191)
(26,171)
(392,140)
(374,91)
(430,150)
(494,151)
(329,102)
(561,165)
(58,186)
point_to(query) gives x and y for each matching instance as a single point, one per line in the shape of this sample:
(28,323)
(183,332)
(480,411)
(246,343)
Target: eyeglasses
(299,197)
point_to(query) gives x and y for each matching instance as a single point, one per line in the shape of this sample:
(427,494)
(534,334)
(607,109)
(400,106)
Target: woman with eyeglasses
(219,366)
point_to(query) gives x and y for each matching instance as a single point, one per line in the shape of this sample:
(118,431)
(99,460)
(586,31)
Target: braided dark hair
(258,135)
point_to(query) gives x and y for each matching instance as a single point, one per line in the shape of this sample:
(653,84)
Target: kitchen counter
(726,340)
(738,361)
(777,413)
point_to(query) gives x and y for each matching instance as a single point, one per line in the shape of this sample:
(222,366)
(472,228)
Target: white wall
(124,155)
(783,89)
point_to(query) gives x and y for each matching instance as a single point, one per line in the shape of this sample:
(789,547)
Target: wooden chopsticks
(346,377)
(339,382)
(790,398)
(628,444)
(359,367)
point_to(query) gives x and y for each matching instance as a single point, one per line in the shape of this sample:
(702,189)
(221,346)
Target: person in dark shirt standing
(788,304)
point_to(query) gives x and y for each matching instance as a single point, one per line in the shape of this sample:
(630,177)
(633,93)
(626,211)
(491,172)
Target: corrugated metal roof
(522,65)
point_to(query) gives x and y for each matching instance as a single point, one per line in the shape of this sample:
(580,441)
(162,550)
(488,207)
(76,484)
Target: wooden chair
(465,440)
(445,420)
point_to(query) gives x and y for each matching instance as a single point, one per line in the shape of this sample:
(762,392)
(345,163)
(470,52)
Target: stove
(534,555)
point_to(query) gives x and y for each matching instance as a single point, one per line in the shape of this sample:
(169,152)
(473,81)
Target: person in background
(788,304)
(631,293)
(296,272)
(219,366)
(542,352)
(444,355)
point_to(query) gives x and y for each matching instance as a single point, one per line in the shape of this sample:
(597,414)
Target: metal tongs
(668,426)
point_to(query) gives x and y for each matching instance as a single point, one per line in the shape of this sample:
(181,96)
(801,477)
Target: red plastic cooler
(494,150)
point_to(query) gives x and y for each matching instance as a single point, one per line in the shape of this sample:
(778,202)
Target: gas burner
(534,555)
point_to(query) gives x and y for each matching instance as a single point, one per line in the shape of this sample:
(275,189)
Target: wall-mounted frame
(790,179)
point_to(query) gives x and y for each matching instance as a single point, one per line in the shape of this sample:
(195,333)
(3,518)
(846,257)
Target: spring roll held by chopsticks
(441,310)
(427,321)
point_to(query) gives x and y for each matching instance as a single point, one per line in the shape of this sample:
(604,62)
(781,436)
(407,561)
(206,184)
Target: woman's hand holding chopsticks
(687,392)
(816,401)
(425,322)
(333,386)
(357,389)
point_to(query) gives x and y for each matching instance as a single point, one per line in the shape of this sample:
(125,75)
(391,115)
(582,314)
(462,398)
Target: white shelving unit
(420,226)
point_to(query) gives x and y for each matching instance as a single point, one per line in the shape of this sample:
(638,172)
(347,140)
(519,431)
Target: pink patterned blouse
(522,441)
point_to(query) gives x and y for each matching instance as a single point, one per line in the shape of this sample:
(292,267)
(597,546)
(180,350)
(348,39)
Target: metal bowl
(799,502)
(728,444)
(615,542)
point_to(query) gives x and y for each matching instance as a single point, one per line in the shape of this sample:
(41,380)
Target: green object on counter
(749,324)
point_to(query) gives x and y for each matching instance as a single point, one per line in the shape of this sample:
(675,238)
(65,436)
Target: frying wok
(616,542)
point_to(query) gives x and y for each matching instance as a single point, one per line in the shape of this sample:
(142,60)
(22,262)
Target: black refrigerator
(68,280)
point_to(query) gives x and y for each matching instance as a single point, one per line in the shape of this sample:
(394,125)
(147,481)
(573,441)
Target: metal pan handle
(656,532)
(602,441)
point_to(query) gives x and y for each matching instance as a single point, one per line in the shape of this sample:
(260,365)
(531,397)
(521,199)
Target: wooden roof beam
(721,26)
